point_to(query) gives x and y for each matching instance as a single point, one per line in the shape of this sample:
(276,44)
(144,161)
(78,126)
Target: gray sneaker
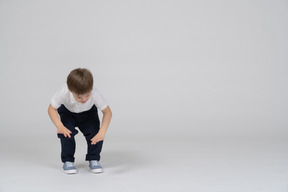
(95,166)
(69,168)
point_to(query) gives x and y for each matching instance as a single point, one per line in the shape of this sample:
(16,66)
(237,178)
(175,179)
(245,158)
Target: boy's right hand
(63,130)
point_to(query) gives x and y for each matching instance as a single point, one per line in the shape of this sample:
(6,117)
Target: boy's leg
(68,145)
(90,127)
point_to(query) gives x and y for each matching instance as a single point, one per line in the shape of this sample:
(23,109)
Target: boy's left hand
(98,137)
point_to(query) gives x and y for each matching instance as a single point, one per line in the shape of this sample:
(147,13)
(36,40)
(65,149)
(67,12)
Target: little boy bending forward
(77,104)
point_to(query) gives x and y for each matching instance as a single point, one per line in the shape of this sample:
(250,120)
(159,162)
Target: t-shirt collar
(72,99)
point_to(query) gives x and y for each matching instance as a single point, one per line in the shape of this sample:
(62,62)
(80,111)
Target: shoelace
(95,163)
(69,164)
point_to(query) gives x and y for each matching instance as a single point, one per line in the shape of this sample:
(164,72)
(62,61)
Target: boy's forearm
(107,115)
(54,117)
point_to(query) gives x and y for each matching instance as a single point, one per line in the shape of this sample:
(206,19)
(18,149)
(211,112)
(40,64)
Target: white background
(209,67)
(171,70)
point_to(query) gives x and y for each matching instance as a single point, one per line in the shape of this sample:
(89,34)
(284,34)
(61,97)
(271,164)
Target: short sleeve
(99,100)
(58,98)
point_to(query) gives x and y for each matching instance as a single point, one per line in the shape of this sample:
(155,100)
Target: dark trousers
(89,124)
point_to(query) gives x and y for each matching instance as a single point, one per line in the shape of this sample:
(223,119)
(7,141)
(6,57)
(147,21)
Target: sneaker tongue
(94,162)
(69,164)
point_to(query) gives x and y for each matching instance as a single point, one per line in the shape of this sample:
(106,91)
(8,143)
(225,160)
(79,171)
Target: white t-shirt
(65,97)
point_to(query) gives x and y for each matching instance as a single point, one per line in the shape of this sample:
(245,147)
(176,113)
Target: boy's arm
(57,122)
(107,115)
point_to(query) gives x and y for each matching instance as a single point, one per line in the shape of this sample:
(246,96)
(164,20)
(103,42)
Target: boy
(76,103)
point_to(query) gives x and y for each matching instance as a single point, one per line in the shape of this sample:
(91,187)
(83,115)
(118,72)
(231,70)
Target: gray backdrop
(183,67)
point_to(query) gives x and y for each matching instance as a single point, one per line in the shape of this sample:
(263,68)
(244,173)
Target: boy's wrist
(60,126)
(101,132)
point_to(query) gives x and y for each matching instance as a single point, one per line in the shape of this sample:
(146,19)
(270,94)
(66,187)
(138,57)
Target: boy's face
(82,98)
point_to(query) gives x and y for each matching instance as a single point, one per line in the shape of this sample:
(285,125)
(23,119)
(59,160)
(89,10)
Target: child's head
(80,83)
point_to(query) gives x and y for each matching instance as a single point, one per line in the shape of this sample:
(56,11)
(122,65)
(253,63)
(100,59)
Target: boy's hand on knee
(63,130)
(98,137)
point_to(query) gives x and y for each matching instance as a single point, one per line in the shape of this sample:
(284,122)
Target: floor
(142,163)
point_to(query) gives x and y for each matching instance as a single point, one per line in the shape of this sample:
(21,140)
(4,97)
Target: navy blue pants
(89,124)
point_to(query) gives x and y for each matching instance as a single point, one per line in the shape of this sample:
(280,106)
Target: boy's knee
(61,136)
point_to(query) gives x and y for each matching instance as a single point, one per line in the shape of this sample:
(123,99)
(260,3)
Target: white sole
(97,170)
(70,171)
